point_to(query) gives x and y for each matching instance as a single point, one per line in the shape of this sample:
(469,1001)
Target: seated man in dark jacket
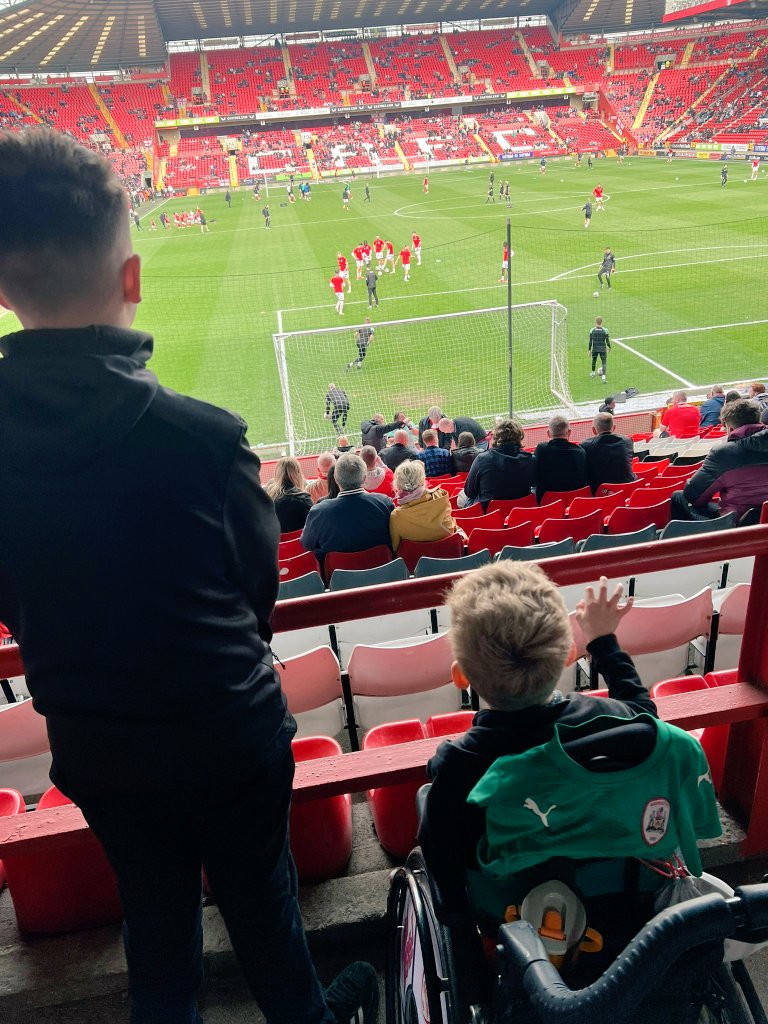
(609,455)
(397,452)
(354,521)
(712,408)
(505,470)
(375,430)
(560,464)
(738,469)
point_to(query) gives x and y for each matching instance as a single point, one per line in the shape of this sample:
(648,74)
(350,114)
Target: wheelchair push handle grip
(526,972)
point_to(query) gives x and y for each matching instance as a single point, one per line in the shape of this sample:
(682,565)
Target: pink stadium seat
(299,565)
(367,559)
(536,516)
(627,520)
(449,724)
(579,528)
(393,808)
(714,738)
(494,540)
(321,830)
(448,547)
(565,496)
(12,802)
(66,891)
(505,505)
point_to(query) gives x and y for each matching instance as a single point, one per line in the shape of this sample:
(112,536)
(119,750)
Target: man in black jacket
(609,455)
(448,430)
(375,430)
(560,464)
(398,452)
(139,573)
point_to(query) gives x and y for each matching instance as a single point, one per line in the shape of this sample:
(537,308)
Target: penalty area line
(658,366)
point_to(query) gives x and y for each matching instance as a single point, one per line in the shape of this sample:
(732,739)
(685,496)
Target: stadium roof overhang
(84,35)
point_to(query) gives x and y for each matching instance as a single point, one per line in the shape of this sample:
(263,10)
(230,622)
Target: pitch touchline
(693,330)
(665,252)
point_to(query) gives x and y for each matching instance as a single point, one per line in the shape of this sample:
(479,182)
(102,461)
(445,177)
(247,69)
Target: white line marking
(618,341)
(664,252)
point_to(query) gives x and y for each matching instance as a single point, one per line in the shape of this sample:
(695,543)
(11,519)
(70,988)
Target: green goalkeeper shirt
(542,804)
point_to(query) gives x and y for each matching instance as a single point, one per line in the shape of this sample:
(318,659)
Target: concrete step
(344,918)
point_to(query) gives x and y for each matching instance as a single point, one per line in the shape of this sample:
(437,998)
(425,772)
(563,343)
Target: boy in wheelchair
(521,798)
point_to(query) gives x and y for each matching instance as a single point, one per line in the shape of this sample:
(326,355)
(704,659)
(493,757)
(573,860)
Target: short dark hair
(739,414)
(466,439)
(62,208)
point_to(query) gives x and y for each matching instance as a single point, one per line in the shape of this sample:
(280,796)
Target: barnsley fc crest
(655,820)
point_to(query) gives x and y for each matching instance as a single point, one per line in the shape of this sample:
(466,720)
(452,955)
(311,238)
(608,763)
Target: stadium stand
(70,109)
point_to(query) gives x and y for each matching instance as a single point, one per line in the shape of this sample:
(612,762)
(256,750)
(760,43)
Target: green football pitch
(687,306)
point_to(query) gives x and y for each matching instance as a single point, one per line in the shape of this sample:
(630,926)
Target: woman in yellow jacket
(421,514)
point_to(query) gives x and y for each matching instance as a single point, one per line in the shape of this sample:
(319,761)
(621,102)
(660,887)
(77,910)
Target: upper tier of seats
(495,58)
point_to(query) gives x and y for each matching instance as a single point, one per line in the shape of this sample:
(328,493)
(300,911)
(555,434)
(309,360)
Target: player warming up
(587,210)
(359,253)
(345,196)
(607,267)
(490,198)
(337,284)
(341,259)
(405,258)
(389,262)
(425,186)
(724,176)
(543,165)
(755,168)
(599,343)
(378,248)
(597,192)
(363,339)
(504,264)
(416,246)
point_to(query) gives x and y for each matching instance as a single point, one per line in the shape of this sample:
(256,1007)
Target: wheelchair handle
(526,972)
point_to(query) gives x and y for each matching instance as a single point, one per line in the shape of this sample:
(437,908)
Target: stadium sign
(520,154)
(363,108)
(189,122)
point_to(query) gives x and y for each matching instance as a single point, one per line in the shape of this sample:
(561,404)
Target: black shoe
(353,995)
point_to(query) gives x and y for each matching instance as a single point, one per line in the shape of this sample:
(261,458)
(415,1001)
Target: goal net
(463,362)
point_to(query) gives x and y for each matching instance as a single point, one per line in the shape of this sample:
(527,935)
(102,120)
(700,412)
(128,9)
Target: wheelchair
(673,971)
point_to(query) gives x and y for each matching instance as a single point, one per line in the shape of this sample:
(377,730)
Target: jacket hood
(87,386)
(508,451)
(431,506)
(754,436)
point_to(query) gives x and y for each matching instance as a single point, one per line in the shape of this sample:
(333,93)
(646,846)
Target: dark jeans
(371,296)
(681,509)
(238,829)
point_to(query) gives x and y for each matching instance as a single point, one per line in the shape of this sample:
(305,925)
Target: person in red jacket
(679,419)
(378,477)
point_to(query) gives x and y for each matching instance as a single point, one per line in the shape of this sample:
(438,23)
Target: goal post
(459,361)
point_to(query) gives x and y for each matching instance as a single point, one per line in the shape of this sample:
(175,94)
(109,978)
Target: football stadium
(383,544)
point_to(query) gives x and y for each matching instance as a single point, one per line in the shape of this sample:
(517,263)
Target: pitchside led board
(678,9)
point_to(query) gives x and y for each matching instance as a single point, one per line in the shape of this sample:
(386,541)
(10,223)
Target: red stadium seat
(645,472)
(645,496)
(578,529)
(449,724)
(447,547)
(367,559)
(299,565)
(491,521)
(714,738)
(565,496)
(12,802)
(393,808)
(627,520)
(625,489)
(505,505)
(65,891)
(289,549)
(727,677)
(535,516)
(293,535)
(471,511)
(683,471)
(494,540)
(321,830)
(583,506)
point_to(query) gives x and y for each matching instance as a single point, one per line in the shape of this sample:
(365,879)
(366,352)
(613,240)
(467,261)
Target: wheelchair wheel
(419,981)
(731,998)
